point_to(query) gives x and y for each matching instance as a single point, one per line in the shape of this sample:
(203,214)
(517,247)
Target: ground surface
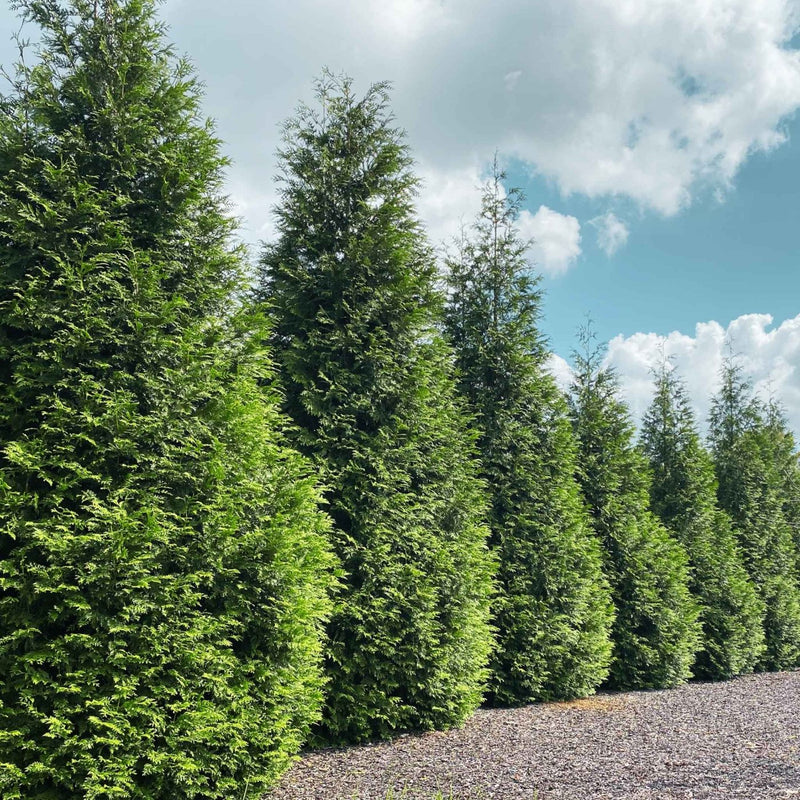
(728,741)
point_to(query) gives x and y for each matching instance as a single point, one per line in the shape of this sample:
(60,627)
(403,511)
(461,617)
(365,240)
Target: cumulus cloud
(556,239)
(612,232)
(560,370)
(770,355)
(253,208)
(653,101)
(448,200)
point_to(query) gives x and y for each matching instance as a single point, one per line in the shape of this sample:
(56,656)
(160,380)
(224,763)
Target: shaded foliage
(553,612)
(350,288)
(753,460)
(683,494)
(656,629)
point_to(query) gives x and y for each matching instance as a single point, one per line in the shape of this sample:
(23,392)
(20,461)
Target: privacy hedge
(656,631)
(753,466)
(683,493)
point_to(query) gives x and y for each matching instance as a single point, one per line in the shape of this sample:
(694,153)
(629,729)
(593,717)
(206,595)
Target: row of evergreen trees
(207,560)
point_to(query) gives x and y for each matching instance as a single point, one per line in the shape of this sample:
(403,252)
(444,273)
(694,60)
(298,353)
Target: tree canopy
(749,446)
(683,494)
(656,629)
(163,563)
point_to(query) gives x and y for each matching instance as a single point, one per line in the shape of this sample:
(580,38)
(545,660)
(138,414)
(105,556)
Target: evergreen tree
(163,563)
(656,631)
(787,463)
(553,612)
(350,285)
(683,493)
(750,456)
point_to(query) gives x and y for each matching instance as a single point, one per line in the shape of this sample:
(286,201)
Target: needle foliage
(163,565)
(350,287)
(553,611)
(683,494)
(656,632)
(753,455)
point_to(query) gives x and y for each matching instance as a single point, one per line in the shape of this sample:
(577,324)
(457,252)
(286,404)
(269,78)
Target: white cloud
(512,79)
(652,101)
(556,239)
(448,200)
(560,370)
(253,208)
(612,232)
(649,100)
(770,355)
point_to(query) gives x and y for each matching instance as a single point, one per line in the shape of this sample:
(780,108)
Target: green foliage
(553,612)
(786,461)
(754,457)
(656,630)
(683,494)
(350,288)
(163,565)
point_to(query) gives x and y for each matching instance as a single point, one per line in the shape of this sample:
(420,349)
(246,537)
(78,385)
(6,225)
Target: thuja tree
(350,287)
(162,556)
(656,629)
(683,493)
(787,466)
(749,456)
(553,611)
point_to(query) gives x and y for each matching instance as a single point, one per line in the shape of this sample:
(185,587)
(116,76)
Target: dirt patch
(596,703)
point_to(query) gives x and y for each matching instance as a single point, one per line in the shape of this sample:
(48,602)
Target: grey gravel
(738,739)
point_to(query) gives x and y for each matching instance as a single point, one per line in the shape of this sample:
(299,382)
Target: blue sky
(718,259)
(658,144)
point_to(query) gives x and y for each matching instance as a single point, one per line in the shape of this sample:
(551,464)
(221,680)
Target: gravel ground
(733,740)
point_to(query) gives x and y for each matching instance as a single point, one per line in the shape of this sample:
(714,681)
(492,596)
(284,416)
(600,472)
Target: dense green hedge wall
(683,493)
(752,456)
(656,631)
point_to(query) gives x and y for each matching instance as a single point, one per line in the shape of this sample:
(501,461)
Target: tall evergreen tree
(553,612)
(787,464)
(162,557)
(750,456)
(350,285)
(656,631)
(683,493)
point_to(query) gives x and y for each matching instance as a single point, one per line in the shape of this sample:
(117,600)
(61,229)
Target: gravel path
(727,741)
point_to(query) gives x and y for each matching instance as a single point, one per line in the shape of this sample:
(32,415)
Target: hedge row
(337,502)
